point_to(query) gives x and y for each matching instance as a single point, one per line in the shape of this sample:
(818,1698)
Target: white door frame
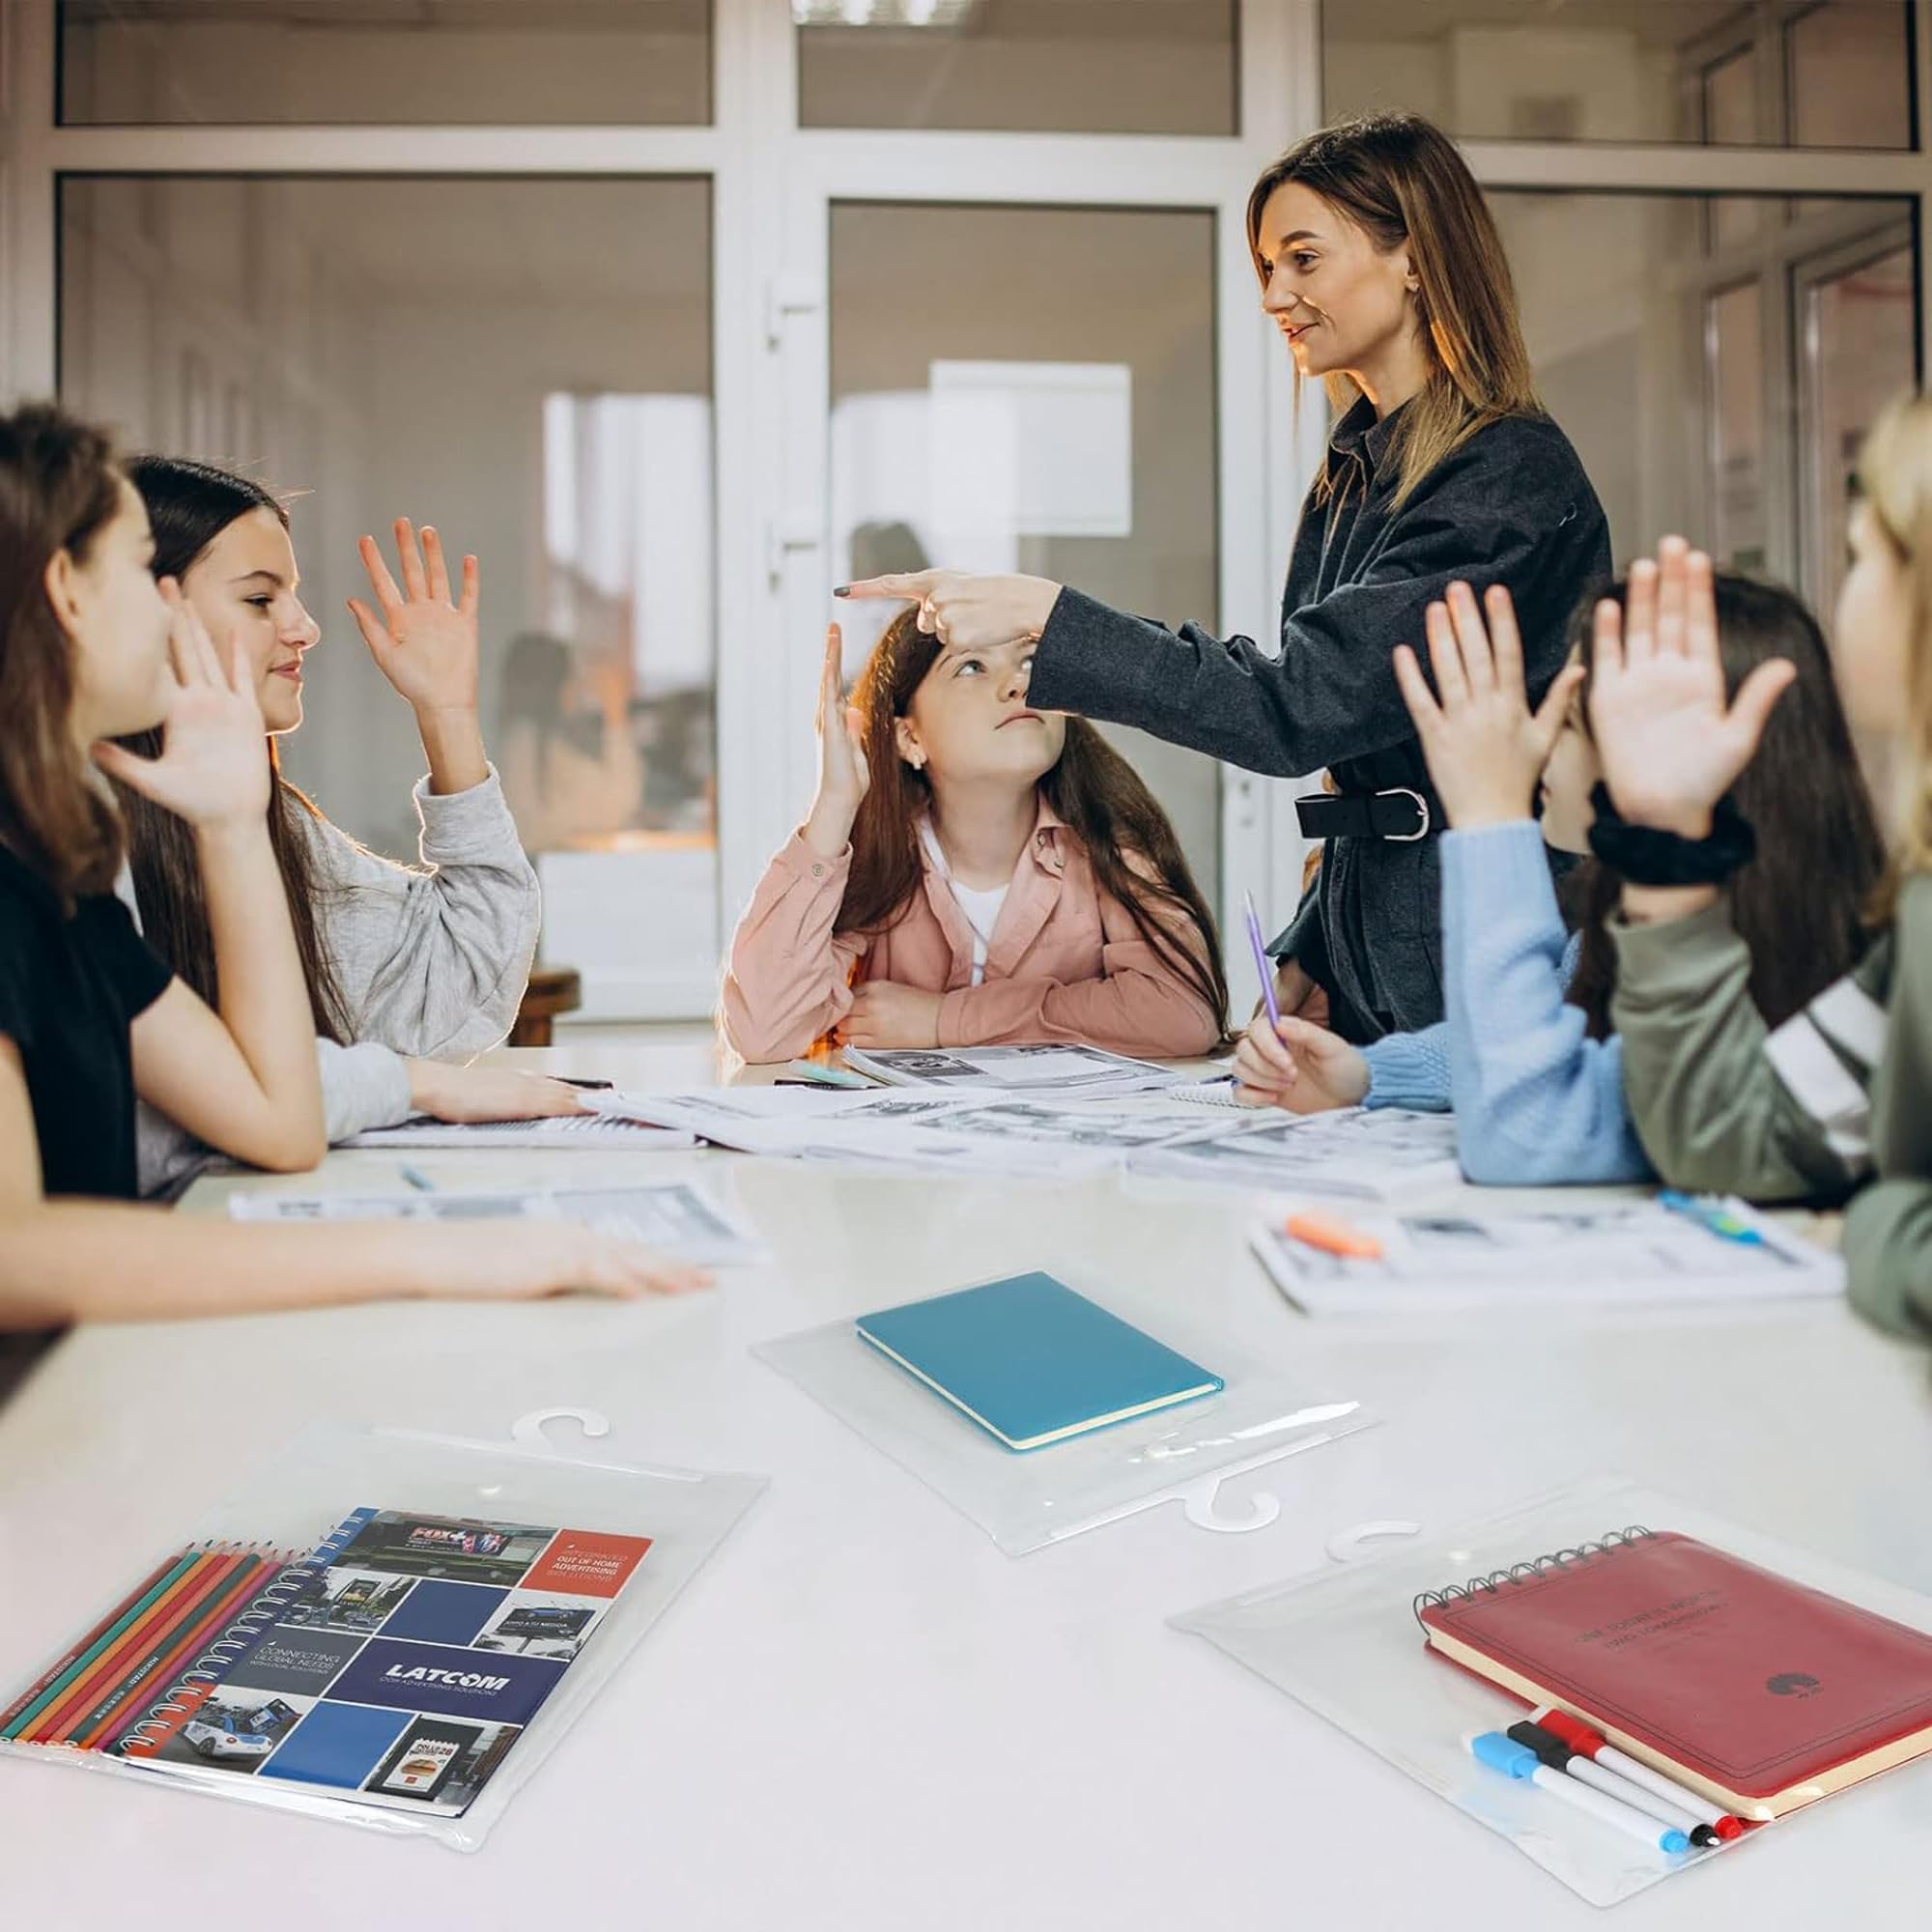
(1263,457)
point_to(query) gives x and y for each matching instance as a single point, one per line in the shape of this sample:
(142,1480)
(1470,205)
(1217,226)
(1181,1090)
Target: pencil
(52,1725)
(63,1679)
(176,1708)
(45,1679)
(167,1656)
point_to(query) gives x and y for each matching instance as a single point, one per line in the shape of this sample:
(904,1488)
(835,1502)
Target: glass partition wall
(679,311)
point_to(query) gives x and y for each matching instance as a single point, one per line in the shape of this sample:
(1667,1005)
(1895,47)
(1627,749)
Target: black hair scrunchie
(1648,857)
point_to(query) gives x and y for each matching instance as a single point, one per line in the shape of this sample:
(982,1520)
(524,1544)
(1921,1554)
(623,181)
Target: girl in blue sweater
(1525,1055)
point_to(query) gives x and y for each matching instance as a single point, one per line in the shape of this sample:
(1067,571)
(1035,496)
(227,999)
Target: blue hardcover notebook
(1033,1362)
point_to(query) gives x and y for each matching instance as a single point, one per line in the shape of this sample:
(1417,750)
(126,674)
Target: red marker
(1586,1742)
(1332,1237)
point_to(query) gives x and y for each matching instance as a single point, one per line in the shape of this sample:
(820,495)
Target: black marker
(1551,1749)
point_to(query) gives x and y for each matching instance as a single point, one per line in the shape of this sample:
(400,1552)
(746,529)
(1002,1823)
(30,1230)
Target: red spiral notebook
(1760,1692)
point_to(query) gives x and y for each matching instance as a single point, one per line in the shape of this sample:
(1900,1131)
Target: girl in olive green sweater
(1837,1102)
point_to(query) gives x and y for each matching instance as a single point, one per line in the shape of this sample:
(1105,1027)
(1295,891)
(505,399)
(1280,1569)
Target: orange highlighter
(1333,1237)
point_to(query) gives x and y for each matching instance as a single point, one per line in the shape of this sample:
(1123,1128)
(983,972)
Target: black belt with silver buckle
(1400,814)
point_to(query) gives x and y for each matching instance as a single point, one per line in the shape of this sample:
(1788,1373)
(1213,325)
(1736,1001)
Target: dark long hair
(59,489)
(1800,905)
(190,504)
(1097,795)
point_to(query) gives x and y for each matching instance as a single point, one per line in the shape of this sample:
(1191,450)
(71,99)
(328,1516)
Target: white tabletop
(861,1713)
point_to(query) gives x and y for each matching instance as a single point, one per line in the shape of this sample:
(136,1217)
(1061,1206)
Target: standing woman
(1380,264)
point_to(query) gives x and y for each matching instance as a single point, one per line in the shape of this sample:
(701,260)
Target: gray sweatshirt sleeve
(430,962)
(362,1087)
(432,959)
(1701,1074)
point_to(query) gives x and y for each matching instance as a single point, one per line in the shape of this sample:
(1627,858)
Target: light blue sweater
(1537,1102)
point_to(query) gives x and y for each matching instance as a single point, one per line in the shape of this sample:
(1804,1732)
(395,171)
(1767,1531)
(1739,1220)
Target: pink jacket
(1064,961)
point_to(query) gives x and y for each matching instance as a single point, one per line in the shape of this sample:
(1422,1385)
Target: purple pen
(1262,965)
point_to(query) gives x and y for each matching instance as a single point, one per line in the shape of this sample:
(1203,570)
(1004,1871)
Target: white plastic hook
(1346,1545)
(529,1432)
(1201,1502)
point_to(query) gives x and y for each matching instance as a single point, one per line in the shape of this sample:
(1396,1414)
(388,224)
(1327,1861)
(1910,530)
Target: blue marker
(1519,1761)
(1711,1216)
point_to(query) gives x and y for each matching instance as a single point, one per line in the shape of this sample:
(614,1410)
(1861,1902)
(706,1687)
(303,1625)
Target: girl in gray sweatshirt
(409,968)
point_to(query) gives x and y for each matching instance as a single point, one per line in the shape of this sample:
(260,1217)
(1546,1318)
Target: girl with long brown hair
(408,970)
(974,869)
(1380,265)
(92,649)
(1527,1057)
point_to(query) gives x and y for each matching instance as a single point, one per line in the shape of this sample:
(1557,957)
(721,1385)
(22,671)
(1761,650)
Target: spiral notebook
(1762,1693)
(395,1666)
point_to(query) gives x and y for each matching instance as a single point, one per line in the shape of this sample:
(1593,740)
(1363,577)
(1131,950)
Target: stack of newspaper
(1060,1112)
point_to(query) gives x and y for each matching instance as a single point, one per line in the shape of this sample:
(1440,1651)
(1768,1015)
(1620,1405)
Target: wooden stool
(552,990)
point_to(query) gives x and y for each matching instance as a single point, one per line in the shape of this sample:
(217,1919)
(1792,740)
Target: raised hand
(422,642)
(968,611)
(1484,749)
(214,766)
(1670,743)
(1304,1069)
(843,775)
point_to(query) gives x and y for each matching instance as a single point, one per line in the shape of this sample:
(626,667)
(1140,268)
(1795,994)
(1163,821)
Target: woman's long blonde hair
(1894,480)
(1399,179)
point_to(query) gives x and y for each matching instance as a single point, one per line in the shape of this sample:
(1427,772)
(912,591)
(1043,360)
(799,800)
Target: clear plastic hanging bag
(419,1619)
(1347,1643)
(1027,1500)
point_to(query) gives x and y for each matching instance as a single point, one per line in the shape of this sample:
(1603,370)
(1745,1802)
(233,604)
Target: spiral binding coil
(164,1718)
(1523,1573)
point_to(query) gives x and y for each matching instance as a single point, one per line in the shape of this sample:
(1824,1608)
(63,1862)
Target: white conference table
(861,1713)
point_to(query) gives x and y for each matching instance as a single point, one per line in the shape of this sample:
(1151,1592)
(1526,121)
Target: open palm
(844,778)
(423,640)
(213,764)
(1670,738)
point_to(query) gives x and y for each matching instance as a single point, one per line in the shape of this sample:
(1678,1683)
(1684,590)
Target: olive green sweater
(1835,1103)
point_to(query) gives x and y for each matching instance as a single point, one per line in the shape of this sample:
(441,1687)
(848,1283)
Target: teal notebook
(1033,1362)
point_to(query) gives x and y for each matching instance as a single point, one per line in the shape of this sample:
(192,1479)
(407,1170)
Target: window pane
(1623,70)
(1021,427)
(1734,387)
(1135,67)
(1850,84)
(1730,119)
(1861,327)
(526,364)
(1656,368)
(434,61)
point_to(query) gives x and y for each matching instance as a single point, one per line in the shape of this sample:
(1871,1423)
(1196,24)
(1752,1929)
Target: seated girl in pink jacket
(971,872)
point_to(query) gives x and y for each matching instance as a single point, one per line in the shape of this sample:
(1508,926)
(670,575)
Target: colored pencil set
(135,1656)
